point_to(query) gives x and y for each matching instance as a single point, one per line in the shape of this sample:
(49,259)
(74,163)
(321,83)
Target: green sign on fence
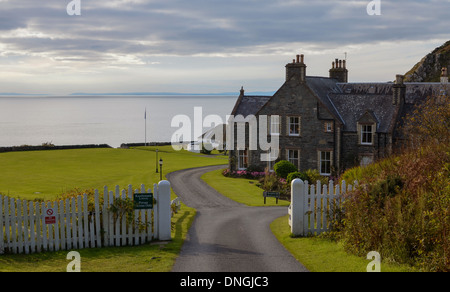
(143,201)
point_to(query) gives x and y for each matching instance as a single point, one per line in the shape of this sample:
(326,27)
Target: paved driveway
(227,236)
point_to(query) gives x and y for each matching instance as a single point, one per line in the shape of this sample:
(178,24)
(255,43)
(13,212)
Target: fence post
(297,207)
(164,218)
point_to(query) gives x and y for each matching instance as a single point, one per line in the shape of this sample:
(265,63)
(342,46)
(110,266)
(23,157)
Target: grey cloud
(213,26)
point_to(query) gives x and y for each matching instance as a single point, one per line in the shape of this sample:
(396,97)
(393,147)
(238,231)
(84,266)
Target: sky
(207,46)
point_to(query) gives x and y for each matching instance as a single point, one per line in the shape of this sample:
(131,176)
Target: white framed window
(293,156)
(293,126)
(366,134)
(325,162)
(328,127)
(274,125)
(242,159)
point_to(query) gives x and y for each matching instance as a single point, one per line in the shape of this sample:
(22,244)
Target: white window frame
(365,134)
(290,123)
(329,160)
(242,159)
(328,127)
(293,160)
(275,125)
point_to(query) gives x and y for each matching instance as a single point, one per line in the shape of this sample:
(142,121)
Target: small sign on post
(271,195)
(143,201)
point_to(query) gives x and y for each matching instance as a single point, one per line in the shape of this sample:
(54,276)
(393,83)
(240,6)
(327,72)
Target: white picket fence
(26,227)
(313,205)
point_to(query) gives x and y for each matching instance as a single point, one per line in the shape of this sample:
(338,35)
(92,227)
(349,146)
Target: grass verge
(323,255)
(240,190)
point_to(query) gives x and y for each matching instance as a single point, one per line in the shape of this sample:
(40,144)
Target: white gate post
(297,207)
(164,216)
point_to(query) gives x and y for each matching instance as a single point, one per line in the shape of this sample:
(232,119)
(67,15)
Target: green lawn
(240,190)
(47,174)
(323,255)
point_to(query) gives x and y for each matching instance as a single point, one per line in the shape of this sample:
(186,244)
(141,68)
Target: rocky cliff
(429,68)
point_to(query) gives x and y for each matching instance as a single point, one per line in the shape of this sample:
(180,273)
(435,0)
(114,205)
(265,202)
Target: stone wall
(50,147)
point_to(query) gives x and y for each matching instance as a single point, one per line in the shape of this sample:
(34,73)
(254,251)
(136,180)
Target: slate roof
(348,102)
(249,104)
(353,106)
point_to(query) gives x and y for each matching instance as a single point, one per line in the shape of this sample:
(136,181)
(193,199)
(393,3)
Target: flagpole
(145,120)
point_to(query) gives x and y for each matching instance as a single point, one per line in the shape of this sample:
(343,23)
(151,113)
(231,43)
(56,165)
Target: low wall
(51,147)
(128,145)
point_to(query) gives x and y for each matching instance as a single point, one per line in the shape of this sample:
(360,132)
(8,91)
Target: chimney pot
(302,59)
(298,58)
(343,63)
(399,79)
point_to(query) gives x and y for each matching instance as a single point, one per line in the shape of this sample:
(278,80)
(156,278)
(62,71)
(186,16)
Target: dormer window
(367,127)
(366,134)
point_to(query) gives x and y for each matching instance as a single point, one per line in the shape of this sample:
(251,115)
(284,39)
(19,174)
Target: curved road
(227,236)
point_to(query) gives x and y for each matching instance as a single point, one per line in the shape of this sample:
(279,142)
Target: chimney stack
(399,91)
(296,69)
(339,71)
(444,75)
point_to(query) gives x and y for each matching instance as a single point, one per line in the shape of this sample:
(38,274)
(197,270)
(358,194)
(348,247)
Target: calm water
(109,120)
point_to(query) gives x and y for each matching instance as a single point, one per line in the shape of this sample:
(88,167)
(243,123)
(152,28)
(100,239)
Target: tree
(429,123)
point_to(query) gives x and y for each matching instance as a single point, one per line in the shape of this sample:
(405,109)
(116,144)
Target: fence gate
(84,221)
(313,205)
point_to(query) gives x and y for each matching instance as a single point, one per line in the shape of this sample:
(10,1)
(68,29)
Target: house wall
(295,98)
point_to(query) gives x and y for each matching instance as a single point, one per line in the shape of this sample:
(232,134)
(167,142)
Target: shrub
(313,176)
(403,210)
(206,148)
(243,174)
(283,168)
(272,183)
(296,174)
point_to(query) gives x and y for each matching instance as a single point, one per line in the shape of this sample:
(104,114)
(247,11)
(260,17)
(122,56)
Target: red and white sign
(50,218)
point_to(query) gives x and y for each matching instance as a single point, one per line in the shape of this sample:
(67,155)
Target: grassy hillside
(429,68)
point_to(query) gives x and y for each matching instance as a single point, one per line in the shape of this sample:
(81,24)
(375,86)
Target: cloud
(133,33)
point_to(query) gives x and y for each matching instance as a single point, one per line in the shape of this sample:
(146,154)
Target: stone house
(327,123)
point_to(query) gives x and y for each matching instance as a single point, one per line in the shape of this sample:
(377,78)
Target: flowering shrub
(243,174)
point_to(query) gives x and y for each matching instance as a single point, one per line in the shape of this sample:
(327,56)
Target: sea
(112,120)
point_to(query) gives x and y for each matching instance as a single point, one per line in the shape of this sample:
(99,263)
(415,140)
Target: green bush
(283,168)
(401,209)
(296,174)
(313,176)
